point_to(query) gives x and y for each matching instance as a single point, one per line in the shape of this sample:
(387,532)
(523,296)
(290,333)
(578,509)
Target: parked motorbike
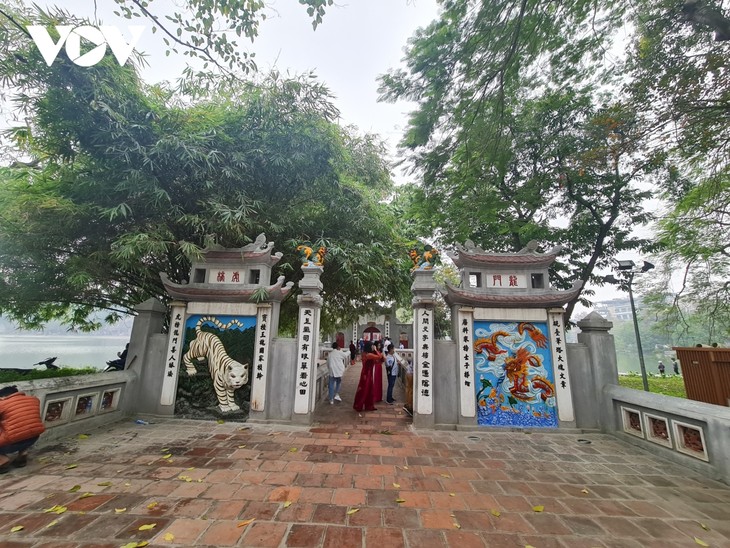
(114,365)
(48,362)
(119,363)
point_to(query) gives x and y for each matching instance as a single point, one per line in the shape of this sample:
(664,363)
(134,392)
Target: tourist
(391,367)
(675,366)
(364,396)
(378,372)
(661,368)
(353,353)
(20,426)
(336,368)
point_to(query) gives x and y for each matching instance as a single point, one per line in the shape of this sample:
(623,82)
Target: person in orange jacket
(20,426)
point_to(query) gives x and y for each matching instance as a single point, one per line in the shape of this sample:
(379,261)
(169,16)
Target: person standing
(378,372)
(336,368)
(364,396)
(675,366)
(20,426)
(661,368)
(353,352)
(391,368)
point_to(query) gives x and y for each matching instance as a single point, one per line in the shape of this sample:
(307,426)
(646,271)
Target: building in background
(616,309)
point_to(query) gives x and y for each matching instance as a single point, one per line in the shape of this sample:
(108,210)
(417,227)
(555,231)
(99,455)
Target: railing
(72,404)
(691,433)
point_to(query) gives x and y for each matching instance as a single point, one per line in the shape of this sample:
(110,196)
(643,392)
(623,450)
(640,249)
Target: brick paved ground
(351,481)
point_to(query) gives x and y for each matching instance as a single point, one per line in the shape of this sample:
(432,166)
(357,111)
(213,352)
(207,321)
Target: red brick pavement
(349,481)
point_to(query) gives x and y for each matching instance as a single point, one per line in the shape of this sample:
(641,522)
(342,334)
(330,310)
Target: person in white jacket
(336,368)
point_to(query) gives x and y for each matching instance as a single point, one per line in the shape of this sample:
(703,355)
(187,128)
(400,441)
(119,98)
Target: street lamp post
(628,269)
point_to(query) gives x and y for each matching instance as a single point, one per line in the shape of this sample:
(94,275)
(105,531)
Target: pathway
(353,482)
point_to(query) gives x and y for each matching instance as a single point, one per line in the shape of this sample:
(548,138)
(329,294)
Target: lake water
(24,350)
(72,350)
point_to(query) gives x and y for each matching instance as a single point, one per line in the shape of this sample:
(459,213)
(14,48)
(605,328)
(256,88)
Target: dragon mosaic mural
(516,385)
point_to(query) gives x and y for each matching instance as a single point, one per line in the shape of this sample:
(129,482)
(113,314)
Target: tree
(115,181)
(476,70)
(677,76)
(679,70)
(565,172)
(513,138)
(696,307)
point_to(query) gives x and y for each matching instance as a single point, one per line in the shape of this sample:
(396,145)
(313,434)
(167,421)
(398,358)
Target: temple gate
(221,327)
(507,363)
(224,356)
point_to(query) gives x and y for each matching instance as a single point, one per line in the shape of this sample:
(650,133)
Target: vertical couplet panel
(562,382)
(465,343)
(175,341)
(261,358)
(305,360)
(423,342)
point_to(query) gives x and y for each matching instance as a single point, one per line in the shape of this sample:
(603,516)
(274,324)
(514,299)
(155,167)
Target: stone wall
(78,404)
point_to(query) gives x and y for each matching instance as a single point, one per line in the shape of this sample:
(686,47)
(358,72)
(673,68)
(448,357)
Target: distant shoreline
(23,350)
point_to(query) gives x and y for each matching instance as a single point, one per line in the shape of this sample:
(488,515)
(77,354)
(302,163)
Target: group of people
(662,368)
(370,387)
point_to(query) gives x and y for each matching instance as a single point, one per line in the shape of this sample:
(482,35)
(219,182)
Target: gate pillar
(423,289)
(310,305)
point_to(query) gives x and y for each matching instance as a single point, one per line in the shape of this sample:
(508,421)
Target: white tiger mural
(227,374)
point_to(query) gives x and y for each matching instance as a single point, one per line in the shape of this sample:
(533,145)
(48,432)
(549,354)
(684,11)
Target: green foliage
(540,121)
(466,68)
(671,385)
(696,242)
(115,182)
(564,172)
(678,71)
(36,374)
(699,312)
(679,75)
